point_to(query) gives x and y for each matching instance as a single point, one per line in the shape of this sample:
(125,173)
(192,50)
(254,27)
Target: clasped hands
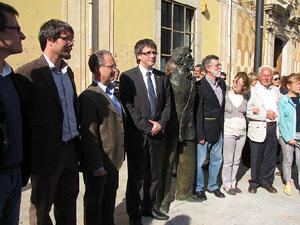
(156,128)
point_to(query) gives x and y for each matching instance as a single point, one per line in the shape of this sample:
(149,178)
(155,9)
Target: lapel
(48,78)
(95,87)
(141,84)
(210,90)
(158,86)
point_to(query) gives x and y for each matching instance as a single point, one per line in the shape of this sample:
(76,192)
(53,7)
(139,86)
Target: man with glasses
(145,94)
(209,126)
(102,135)
(262,131)
(14,134)
(54,110)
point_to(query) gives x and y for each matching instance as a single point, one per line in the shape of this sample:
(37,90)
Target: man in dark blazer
(54,108)
(102,135)
(209,126)
(145,94)
(14,130)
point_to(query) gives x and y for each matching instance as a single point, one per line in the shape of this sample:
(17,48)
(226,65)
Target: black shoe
(137,222)
(230,191)
(217,193)
(252,189)
(146,212)
(194,198)
(158,215)
(269,188)
(237,190)
(201,194)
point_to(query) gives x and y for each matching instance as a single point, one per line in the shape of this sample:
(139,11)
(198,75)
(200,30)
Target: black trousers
(60,188)
(143,171)
(263,159)
(100,197)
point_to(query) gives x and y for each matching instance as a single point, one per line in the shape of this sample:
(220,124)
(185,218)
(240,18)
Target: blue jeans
(215,162)
(10,197)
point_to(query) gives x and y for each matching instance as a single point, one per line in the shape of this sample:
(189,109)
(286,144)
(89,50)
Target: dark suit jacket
(46,115)
(102,131)
(134,96)
(22,86)
(210,115)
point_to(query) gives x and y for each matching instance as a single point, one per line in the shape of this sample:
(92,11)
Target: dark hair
(207,60)
(142,44)
(97,59)
(53,29)
(285,80)
(245,79)
(202,68)
(198,65)
(8,9)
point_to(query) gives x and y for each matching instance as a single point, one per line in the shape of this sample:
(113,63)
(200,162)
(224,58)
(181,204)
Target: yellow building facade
(221,27)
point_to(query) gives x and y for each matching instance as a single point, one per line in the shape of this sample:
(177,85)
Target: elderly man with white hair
(262,131)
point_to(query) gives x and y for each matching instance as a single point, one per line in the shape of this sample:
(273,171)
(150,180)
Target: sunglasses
(276,79)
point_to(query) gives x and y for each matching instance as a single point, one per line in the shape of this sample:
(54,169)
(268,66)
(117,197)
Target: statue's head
(182,57)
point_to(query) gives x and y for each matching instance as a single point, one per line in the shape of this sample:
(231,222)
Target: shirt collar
(144,71)
(64,67)
(107,89)
(211,81)
(6,69)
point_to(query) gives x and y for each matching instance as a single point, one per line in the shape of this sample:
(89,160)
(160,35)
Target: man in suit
(102,133)
(262,130)
(209,126)
(14,134)
(54,109)
(145,94)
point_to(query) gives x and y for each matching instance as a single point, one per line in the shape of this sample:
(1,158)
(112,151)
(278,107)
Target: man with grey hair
(102,135)
(209,126)
(263,115)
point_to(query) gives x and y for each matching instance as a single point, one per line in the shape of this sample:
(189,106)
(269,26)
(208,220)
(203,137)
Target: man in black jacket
(14,159)
(209,126)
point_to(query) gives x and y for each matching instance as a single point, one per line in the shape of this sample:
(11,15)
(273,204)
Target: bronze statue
(180,133)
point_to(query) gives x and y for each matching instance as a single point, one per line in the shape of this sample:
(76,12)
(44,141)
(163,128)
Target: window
(177,28)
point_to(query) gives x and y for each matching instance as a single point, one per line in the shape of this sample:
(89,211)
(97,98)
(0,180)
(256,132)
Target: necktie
(152,96)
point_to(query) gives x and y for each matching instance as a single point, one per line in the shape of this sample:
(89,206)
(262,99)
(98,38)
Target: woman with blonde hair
(289,127)
(235,126)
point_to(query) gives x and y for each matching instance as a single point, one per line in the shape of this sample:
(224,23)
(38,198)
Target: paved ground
(263,208)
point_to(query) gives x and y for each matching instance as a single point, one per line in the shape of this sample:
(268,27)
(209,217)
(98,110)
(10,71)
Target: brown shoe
(269,188)
(252,189)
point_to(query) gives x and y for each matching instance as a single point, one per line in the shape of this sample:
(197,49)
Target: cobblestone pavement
(263,208)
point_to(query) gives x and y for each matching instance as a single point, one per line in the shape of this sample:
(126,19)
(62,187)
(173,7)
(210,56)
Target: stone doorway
(278,46)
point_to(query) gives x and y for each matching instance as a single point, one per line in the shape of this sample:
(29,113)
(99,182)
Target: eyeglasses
(149,53)
(113,66)
(68,39)
(276,79)
(17,27)
(217,65)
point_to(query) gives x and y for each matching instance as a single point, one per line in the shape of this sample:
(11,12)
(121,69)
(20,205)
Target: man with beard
(102,135)
(262,131)
(53,115)
(209,126)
